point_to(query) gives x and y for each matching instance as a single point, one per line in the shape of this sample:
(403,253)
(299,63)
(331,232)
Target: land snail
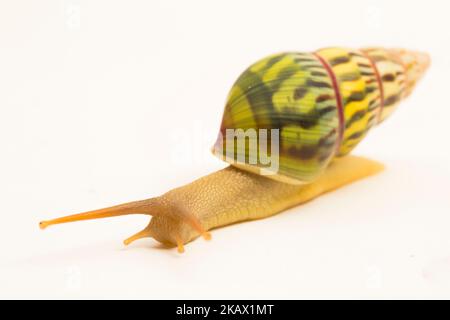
(289,123)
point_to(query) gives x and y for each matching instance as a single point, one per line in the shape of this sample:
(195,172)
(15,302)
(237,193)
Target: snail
(290,121)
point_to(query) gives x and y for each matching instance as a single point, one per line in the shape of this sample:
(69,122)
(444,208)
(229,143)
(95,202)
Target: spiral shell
(322,104)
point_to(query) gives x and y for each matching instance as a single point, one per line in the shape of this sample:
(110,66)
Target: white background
(104,102)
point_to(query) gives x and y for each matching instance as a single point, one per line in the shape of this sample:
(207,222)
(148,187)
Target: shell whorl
(321,103)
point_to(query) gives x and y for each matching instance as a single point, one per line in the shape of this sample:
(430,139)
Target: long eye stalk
(135,207)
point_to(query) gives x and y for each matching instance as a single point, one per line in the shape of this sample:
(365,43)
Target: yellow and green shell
(322,104)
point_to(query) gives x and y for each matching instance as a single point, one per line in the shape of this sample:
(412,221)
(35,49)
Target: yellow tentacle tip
(180,246)
(206,235)
(127,241)
(141,234)
(43,224)
(195,223)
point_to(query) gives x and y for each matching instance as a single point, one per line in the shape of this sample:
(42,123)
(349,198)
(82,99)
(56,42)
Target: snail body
(321,105)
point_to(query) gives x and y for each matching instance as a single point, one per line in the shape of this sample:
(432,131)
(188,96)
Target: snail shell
(321,103)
